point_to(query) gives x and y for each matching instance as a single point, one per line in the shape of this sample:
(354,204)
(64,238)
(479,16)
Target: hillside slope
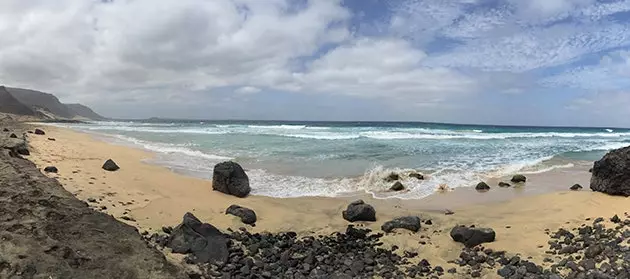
(9,104)
(43,100)
(84,111)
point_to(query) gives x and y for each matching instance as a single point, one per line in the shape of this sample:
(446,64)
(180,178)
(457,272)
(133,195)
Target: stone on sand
(359,211)
(247,215)
(472,237)
(504,184)
(230,178)
(110,165)
(411,223)
(39,132)
(576,187)
(13,136)
(205,242)
(52,169)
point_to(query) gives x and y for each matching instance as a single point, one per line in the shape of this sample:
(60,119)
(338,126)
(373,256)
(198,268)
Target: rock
(392,177)
(416,176)
(167,229)
(30,132)
(13,136)
(482,186)
(448,212)
(39,132)
(52,169)
(359,211)
(590,170)
(91,200)
(230,178)
(518,178)
(615,219)
(472,236)
(504,184)
(110,165)
(5,130)
(51,139)
(397,186)
(205,242)
(611,174)
(411,223)
(576,187)
(247,215)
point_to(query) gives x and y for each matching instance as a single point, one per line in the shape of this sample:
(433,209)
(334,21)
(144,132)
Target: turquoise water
(288,159)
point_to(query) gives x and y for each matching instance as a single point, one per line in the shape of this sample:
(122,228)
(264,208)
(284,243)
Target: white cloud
(247,90)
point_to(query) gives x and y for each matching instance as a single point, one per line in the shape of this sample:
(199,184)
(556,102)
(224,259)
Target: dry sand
(156,197)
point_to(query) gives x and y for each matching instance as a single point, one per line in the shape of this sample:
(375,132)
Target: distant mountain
(42,100)
(9,104)
(42,105)
(84,111)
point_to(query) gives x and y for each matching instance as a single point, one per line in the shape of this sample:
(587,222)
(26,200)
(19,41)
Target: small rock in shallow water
(482,186)
(397,186)
(518,178)
(392,177)
(416,175)
(504,184)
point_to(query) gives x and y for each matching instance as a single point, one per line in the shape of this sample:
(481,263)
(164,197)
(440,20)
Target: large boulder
(39,132)
(205,242)
(230,178)
(611,174)
(110,165)
(247,215)
(411,223)
(472,237)
(359,211)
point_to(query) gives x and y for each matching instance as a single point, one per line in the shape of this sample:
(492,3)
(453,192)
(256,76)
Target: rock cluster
(355,253)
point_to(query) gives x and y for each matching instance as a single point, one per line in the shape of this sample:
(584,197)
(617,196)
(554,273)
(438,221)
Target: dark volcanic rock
(13,136)
(504,184)
(611,174)
(392,177)
(411,223)
(359,211)
(247,215)
(5,130)
(576,187)
(51,139)
(110,165)
(416,175)
(39,132)
(397,186)
(482,186)
(518,178)
(472,236)
(230,178)
(205,242)
(52,169)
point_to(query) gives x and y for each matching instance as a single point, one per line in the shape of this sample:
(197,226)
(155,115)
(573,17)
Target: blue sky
(535,62)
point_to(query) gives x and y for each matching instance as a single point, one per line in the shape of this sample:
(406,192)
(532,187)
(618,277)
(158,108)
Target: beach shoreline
(153,197)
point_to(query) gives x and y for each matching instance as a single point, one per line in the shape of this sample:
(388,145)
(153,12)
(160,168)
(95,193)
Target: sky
(519,62)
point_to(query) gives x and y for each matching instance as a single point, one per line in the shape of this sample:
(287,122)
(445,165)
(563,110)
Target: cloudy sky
(531,62)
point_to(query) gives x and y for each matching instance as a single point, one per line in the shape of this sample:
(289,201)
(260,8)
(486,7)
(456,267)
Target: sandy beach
(154,197)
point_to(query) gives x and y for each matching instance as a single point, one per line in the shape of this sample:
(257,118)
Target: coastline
(155,196)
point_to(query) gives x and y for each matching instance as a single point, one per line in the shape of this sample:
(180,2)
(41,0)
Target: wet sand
(156,197)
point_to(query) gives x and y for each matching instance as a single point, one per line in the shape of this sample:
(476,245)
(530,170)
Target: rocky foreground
(47,233)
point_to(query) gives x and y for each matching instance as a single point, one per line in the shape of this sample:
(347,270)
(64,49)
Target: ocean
(292,159)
